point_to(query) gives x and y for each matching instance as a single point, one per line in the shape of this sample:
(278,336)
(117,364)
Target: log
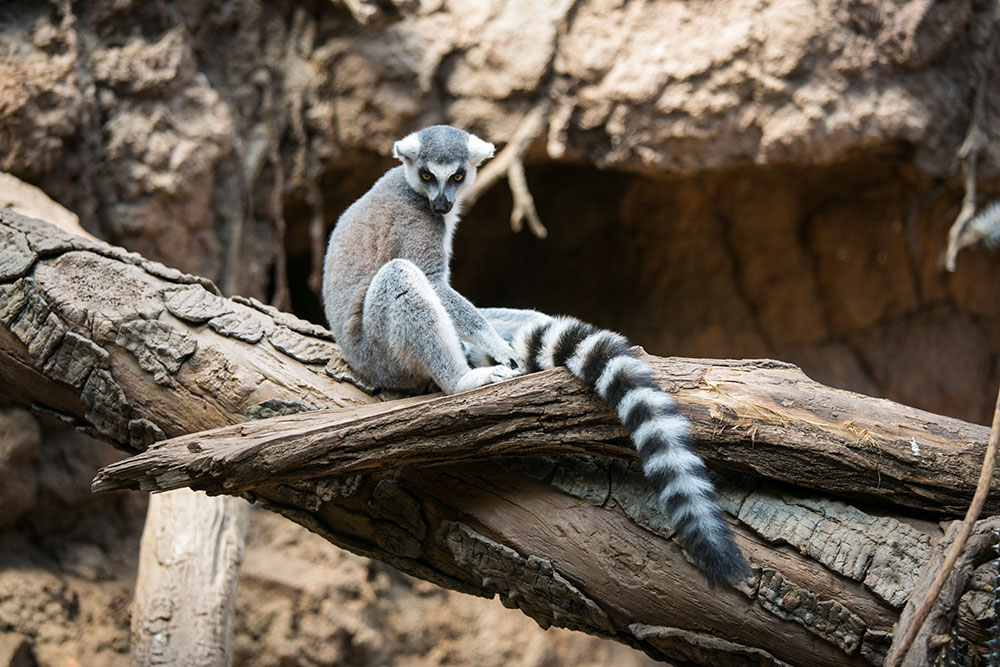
(135,352)
(757,417)
(182,612)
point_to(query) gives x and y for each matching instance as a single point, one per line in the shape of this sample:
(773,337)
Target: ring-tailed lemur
(400,325)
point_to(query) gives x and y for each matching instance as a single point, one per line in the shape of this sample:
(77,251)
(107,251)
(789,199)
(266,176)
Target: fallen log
(759,417)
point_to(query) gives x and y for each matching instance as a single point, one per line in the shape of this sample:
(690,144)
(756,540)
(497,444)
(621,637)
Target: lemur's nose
(441,205)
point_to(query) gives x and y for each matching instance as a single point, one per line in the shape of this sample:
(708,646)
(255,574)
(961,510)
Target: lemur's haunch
(400,325)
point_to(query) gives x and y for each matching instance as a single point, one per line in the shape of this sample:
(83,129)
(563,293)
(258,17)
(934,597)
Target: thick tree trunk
(135,352)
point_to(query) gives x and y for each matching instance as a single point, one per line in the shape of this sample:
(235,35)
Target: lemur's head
(440,162)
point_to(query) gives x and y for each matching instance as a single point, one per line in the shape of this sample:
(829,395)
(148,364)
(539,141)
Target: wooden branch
(134,351)
(758,417)
(88,332)
(185,589)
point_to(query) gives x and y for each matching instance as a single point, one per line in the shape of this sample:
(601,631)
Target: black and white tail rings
(661,436)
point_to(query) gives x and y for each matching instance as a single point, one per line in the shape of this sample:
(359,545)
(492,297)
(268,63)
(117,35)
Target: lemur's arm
(473,328)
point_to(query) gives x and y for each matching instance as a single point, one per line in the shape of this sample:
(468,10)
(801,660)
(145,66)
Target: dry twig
(961,235)
(510,161)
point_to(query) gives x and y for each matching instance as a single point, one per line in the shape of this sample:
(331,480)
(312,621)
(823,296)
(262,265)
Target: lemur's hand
(505,355)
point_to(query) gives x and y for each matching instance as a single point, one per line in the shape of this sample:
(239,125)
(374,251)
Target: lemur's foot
(504,355)
(478,377)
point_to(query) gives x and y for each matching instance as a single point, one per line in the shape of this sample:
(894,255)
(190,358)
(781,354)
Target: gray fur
(443,144)
(386,284)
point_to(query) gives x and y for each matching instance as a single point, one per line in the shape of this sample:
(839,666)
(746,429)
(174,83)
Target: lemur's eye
(426,176)
(458,177)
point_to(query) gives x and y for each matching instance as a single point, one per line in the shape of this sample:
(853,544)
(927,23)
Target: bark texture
(185,590)
(574,541)
(763,418)
(934,641)
(188,568)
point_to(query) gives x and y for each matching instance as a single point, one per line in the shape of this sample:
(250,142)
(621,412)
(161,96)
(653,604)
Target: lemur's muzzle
(441,204)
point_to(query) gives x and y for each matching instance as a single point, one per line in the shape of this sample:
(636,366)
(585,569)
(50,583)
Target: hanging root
(962,234)
(510,161)
(524,203)
(281,298)
(317,235)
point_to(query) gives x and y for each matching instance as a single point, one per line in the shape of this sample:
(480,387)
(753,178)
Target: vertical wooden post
(189,562)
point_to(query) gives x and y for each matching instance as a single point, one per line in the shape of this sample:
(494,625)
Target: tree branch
(189,560)
(764,418)
(510,161)
(185,588)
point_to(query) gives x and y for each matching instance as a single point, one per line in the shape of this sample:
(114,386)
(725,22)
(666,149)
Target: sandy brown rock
(44,103)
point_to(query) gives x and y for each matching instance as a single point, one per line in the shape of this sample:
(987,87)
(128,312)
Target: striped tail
(662,437)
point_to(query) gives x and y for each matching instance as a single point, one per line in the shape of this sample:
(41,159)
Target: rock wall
(718,179)
(781,174)
(843,280)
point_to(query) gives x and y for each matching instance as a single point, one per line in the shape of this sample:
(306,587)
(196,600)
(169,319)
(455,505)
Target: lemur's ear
(479,150)
(407,148)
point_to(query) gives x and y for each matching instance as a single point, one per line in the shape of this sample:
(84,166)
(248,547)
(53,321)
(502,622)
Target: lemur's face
(440,163)
(441,183)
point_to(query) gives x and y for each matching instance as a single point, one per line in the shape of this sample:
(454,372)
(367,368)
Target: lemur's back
(389,221)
